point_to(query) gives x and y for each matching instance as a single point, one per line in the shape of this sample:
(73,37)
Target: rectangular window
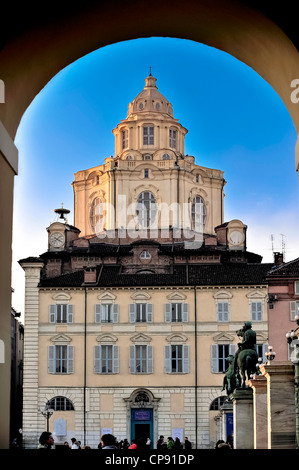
(61,313)
(176,312)
(146,173)
(106,313)
(124,139)
(219,353)
(61,359)
(148,135)
(106,359)
(222,311)
(172,138)
(141,359)
(296,287)
(294,310)
(141,313)
(256,311)
(177,359)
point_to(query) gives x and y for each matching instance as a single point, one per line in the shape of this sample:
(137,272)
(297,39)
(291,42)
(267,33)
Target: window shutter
(225,311)
(149,313)
(185,312)
(52,313)
(70,362)
(98,313)
(115,313)
(232,349)
(97,359)
(167,359)
(115,359)
(70,313)
(256,311)
(259,311)
(132,360)
(132,313)
(185,359)
(222,311)
(214,358)
(167,313)
(51,360)
(150,359)
(292,310)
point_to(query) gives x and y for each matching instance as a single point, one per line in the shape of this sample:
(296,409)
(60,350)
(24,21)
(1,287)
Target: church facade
(132,310)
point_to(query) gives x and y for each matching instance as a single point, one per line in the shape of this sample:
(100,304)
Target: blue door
(142,426)
(229,424)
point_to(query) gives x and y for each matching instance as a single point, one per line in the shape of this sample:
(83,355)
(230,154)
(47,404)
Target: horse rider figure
(248,343)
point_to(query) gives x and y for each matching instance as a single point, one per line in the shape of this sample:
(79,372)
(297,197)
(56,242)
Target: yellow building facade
(131,313)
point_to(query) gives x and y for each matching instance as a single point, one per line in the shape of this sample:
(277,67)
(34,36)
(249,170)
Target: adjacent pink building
(283,305)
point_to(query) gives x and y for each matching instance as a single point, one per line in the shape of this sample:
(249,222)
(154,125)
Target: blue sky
(236,122)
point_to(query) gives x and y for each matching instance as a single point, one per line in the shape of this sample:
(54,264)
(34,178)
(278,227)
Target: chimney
(278,259)
(90,275)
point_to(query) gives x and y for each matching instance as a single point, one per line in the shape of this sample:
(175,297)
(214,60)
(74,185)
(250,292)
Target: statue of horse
(231,379)
(246,362)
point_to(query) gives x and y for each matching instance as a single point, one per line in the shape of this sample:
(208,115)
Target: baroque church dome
(150,100)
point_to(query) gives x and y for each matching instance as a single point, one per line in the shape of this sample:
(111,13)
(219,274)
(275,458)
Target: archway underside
(29,61)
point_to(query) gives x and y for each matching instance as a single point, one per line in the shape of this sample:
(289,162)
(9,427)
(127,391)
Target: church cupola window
(96,216)
(148,135)
(172,138)
(146,209)
(199,214)
(124,139)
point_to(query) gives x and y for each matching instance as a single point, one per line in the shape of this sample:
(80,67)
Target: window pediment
(223,295)
(61,339)
(140,296)
(141,338)
(176,296)
(256,295)
(106,297)
(224,338)
(177,338)
(61,297)
(107,338)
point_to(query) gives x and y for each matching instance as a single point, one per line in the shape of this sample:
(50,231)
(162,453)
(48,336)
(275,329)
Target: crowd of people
(108,441)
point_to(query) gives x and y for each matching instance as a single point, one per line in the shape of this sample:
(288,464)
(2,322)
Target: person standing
(188,445)
(46,440)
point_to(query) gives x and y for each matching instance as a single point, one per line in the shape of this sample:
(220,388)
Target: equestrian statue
(243,363)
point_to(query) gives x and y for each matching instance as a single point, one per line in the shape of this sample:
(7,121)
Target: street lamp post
(47,413)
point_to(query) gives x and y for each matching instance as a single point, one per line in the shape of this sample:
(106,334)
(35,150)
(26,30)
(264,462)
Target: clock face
(56,239)
(236,237)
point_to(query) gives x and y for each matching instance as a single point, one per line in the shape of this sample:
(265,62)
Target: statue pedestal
(281,405)
(243,418)
(260,422)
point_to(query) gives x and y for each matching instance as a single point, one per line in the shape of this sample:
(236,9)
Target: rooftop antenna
(283,245)
(272,243)
(62,211)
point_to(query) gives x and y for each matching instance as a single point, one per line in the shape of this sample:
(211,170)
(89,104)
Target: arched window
(146,209)
(173,138)
(199,214)
(124,139)
(165,156)
(97,215)
(61,404)
(217,403)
